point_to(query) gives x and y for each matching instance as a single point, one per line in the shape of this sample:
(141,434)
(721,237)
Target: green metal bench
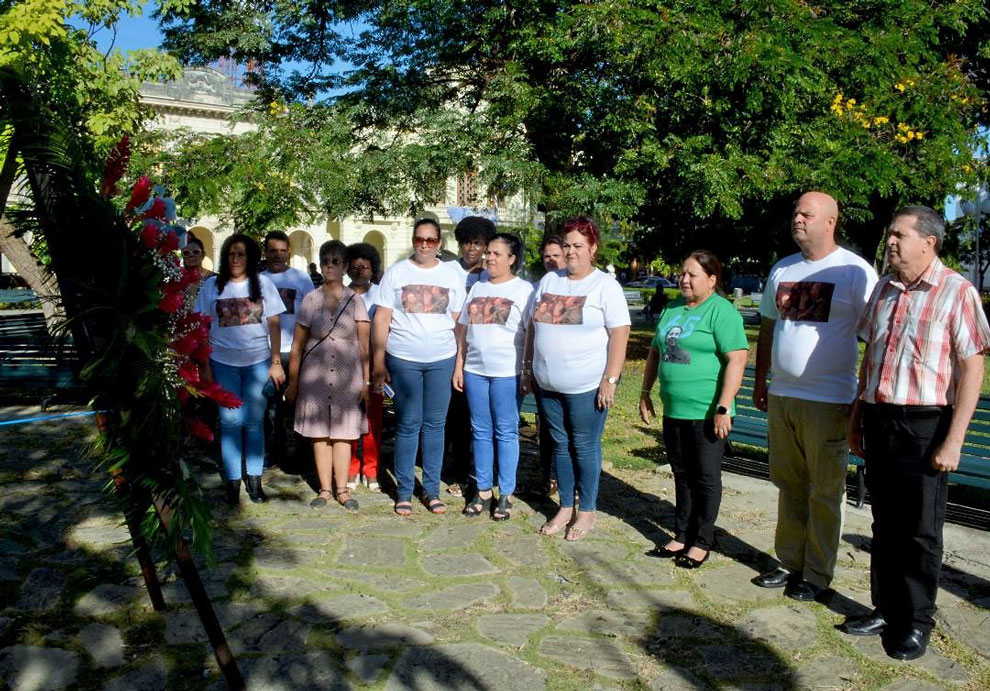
(31,362)
(750,428)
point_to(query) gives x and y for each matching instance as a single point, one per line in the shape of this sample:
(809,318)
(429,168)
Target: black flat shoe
(908,646)
(686,562)
(777,578)
(478,506)
(804,591)
(871,624)
(661,552)
(503,508)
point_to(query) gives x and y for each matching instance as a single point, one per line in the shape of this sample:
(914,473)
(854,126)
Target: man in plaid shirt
(925,334)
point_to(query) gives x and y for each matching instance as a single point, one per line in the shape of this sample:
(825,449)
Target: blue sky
(133,33)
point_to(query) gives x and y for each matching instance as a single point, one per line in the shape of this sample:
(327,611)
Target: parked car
(749,283)
(652,282)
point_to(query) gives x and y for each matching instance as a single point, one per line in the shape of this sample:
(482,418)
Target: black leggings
(695,455)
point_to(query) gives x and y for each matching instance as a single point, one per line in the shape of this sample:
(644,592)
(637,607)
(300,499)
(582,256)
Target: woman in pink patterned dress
(330,376)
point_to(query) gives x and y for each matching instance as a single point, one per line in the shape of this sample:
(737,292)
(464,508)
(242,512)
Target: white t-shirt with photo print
(293,285)
(494,315)
(424,303)
(571,319)
(239,327)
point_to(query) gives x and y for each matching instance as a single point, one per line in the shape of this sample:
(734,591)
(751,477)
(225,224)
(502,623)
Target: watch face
(721,410)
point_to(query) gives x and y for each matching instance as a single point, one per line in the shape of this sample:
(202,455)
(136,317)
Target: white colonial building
(207,100)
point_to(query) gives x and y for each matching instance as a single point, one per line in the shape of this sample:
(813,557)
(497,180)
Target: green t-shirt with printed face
(692,343)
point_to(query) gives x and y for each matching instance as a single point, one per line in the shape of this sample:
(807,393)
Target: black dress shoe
(777,578)
(908,646)
(870,625)
(804,591)
(661,552)
(686,562)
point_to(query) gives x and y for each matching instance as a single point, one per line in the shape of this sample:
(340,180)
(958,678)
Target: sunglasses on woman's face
(191,253)
(332,261)
(429,242)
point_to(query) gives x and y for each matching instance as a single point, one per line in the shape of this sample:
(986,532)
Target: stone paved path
(330,600)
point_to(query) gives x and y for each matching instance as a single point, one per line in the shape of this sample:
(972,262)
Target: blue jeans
(494,405)
(576,425)
(422,394)
(242,430)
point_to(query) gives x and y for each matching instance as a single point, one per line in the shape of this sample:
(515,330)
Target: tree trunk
(18,253)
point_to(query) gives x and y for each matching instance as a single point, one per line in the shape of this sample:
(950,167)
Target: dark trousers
(695,455)
(908,499)
(546,443)
(457,465)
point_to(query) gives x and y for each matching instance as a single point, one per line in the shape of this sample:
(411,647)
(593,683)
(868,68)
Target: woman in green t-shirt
(699,352)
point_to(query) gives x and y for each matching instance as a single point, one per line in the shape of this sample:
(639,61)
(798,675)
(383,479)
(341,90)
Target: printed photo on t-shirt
(672,351)
(239,311)
(489,310)
(806,301)
(288,296)
(425,299)
(560,309)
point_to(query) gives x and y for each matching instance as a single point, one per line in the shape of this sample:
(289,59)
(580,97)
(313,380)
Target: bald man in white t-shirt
(811,306)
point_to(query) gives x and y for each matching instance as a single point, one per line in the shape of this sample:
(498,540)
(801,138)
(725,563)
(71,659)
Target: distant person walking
(811,305)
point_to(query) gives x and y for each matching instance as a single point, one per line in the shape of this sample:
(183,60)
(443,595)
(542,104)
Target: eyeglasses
(429,242)
(331,261)
(191,253)
(359,268)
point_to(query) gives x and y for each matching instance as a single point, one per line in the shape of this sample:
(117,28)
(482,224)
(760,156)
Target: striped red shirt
(916,335)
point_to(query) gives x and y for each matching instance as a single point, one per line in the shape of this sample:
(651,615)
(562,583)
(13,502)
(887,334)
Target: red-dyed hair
(584,225)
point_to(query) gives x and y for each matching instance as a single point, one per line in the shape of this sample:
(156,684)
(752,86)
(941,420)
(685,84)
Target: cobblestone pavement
(331,600)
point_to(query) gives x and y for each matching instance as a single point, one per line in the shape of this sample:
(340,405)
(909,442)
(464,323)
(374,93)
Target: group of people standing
(458,344)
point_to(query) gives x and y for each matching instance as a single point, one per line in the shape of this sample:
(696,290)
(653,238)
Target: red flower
(149,235)
(202,353)
(157,210)
(117,161)
(183,394)
(140,193)
(171,243)
(224,398)
(171,302)
(190,372)
(198,429)
(185,345)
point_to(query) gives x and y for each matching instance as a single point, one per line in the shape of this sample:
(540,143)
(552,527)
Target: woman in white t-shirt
(245,338)
(418,303)
(491,334)
(579,330)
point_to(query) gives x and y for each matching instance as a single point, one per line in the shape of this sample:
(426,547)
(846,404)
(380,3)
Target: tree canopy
(700,122)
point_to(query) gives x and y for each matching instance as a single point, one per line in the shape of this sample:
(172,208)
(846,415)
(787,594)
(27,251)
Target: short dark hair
(333,248)
(474,228)
(364,250)
(193,240)
(515,247)
(551,240)
(927,222)
(277,235)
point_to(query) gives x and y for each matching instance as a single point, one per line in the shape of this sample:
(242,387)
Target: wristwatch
(721,410)
(611,380)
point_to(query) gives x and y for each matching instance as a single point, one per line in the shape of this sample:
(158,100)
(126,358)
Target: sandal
(403,507)
(551,528)
(320,502)
(351,504)
(477,506)
(575,533)
(503,509)
(434,504)
(455,490)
